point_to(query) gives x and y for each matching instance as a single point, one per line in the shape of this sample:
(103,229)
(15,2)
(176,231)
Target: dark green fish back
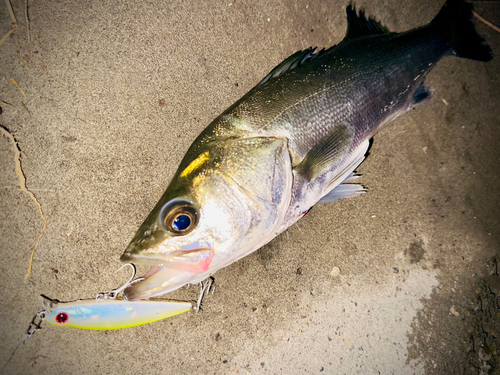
(371,77)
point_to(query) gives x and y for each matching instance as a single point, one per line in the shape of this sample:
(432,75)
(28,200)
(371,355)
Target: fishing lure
(106,312)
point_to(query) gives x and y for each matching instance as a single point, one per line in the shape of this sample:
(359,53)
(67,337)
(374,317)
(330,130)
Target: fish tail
(457,30)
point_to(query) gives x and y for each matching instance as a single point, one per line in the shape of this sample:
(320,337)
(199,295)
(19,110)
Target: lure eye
(180,218)
(62,318)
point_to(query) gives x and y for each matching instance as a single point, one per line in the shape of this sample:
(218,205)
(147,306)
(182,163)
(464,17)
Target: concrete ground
(402,280)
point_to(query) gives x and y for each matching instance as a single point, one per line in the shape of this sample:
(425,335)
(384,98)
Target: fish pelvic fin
(344,190)
(454,25)
(359,26)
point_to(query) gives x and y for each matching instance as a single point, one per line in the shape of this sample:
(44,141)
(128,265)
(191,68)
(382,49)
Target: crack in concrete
(22,185)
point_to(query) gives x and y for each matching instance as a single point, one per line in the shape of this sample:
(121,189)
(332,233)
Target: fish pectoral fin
(344,190)
(327,153)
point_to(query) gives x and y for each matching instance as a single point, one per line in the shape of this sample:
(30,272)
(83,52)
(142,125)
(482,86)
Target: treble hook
(115,292)
(205,289)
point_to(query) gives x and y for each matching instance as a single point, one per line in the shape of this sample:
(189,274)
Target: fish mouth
(194,261)
(167,272)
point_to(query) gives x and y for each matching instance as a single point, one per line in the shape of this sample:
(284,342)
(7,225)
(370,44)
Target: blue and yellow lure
(105,314)
(105,311)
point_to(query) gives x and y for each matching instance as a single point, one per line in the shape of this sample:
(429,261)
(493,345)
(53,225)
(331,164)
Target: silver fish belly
(289,143)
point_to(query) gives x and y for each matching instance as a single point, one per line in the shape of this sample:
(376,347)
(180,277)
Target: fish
(294,140)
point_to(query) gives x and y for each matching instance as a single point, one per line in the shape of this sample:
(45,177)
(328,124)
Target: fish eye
(179,218)
(181,222)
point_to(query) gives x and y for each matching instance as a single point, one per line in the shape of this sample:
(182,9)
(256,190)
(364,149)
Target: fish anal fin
(359,26)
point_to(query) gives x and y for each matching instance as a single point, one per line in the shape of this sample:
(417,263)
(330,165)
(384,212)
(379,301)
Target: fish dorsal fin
(293,61)
(359,26)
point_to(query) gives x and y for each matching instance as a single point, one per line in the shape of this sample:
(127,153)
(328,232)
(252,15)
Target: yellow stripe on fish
(195,164)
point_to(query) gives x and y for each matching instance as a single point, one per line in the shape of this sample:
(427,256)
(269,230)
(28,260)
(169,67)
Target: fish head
(222,204)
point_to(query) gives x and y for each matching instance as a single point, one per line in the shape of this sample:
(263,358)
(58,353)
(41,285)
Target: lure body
(106,314)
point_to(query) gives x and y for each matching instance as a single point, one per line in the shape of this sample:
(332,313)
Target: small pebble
(335,272)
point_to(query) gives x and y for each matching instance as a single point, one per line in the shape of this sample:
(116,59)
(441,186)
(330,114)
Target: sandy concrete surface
(402,280)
